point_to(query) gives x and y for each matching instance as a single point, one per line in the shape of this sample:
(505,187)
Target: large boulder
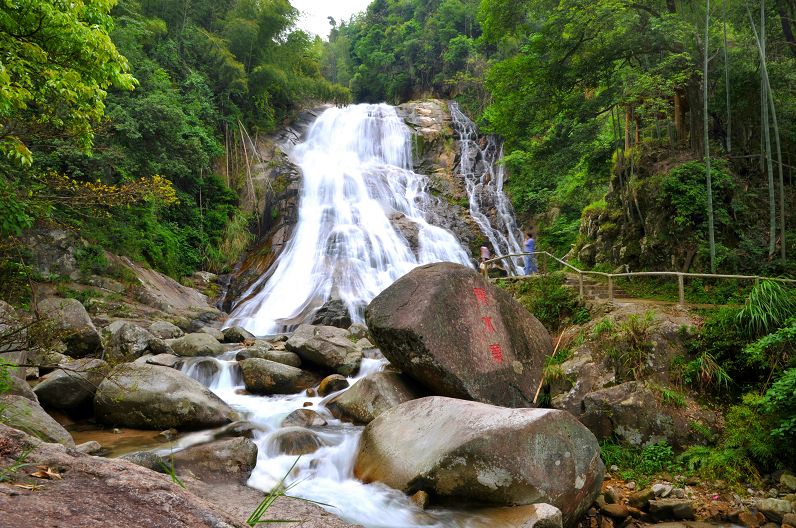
(26,415)
(266,352)
(126,341)
(237,334)
(634,413)
(326,346)
(74,325)
(198,344)
(487,347)
(269,377)
(294,441)
(165,330)
(95,492)
(371,396)
(152,397)
(476,452)
(222,460)
(333,313)
(72,388)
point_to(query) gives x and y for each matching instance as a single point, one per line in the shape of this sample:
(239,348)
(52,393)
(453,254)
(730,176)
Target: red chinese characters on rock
(480,296)
(497,352)
(490,329)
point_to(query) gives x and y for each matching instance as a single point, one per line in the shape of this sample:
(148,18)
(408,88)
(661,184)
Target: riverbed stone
(163,360)
(126,341)
(217,334)
(269,377)
(278,356)
(295,441)
(72,388)
(72,322)
(197,344)
(486,348)
(304,418)
(332,383)
(774,509)
(677,509)
(222,460)
(237,334)
(327,347)
(153,397)
(165,330)
(28,416)
(333,313)
(371,396)
(470,451)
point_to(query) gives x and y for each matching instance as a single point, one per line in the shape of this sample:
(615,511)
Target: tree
(58,62)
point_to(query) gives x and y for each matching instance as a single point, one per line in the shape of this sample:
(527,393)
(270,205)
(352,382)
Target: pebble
(661,490)
(614,468)
(773,493)
(678,493)
(116,431)
(631,485)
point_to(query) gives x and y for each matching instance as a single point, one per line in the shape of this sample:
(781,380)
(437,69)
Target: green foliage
(546,297)
(768,306)
(91,260)
(639,463)
(630,345)
(779,403)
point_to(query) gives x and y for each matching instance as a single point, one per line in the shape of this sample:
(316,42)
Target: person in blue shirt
(530,260)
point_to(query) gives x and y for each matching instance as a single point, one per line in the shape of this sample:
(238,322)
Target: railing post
(681,288)
(610,287)
(580,280)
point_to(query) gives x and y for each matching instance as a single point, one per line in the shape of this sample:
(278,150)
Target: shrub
(547,298)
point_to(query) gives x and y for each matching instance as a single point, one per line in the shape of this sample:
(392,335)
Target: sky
(315,12)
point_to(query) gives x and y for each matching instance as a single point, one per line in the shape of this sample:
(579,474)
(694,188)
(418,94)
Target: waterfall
(483,177)
(361,222)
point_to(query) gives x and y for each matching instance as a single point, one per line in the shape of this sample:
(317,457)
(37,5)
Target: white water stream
(326,475)
(357,181)
(479,165)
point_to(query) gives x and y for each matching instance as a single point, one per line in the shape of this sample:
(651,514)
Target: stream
(326,475)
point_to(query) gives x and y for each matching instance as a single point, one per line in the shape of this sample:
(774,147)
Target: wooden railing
(611,276)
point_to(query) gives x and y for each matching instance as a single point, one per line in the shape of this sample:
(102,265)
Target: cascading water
(357,180)
(325,476)
(483,176)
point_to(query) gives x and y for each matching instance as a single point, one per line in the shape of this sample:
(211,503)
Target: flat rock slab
(459,336)
(96,493)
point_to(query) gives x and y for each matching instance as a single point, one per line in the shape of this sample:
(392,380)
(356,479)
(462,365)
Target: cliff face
(271,190)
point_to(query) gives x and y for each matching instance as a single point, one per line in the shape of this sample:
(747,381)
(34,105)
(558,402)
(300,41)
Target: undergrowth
(549,300)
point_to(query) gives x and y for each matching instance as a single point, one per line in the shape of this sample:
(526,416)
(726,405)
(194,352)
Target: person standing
(530,260)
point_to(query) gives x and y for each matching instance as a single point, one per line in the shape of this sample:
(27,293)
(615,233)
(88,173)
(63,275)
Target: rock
(421,499)
(147,459)
(661,490)
(28,416)
(751,520)
(487,348)
(631,485)
(72,390)
(202,369)
(678,493)
(222,460)
(633,413)
(332,383)
(641,499)
(677,509)
(371,396)
(127,341)
(364,344)
(164,360)
(20,387)
(303,418)
(774,509)
(53,251)
(788,481)
(237,334)
(333,313)
(198,344)
(98,492)
(269,377)
(326,346)
(789,519)
(611,495)
(217,334)
(539,515)
(278,356)
(496,455)
(152,397)
(358,331)
(91,447)
(165,330)
(618,511)
(295,441)
(73,324)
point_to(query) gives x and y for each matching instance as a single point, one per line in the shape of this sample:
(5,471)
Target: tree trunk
(711,235)
(787,13)
(727,80)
